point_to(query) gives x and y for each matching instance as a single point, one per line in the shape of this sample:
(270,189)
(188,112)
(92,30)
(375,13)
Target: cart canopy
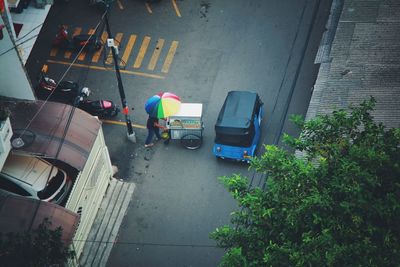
(237,113)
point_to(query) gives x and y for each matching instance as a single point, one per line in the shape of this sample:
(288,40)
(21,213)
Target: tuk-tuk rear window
(242,138)
(234,140)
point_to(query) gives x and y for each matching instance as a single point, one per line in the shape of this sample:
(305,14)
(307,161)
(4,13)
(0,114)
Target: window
(242,140)
(53,185)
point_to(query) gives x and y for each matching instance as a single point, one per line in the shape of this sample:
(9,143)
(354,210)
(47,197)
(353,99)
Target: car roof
(237,110)
(29,170)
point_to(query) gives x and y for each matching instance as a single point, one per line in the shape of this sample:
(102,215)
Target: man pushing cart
(183,120)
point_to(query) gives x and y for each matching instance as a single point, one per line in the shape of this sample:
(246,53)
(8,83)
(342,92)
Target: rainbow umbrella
(163,105)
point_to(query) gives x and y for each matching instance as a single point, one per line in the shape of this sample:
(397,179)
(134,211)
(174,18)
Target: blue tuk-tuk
(238,128)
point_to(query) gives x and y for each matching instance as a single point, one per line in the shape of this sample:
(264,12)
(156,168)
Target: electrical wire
(145,243)
(65,131)
(69,120)
(264,177)
(26,34)
(62,140)
(276,140)
(289,98)
(63,75)
(67,125)
(17,45)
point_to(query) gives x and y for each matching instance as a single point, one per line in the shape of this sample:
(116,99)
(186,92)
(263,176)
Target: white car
(30,176)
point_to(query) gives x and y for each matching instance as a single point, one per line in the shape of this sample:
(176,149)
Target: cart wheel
(191,141)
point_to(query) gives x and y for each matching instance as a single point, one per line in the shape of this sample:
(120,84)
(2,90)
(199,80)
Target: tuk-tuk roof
(237,112)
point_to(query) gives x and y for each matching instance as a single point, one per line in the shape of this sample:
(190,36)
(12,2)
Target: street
(198,50)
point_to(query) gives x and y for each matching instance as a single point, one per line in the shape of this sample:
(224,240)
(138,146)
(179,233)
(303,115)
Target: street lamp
(125,110)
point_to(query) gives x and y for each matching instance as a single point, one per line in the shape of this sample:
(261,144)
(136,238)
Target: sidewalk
(105,228)
(362,61)
(31,21)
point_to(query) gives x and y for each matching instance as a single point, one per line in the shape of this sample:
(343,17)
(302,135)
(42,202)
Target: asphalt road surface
(199,50)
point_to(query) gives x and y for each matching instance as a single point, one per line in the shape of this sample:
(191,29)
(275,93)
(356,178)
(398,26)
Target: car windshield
(53,185)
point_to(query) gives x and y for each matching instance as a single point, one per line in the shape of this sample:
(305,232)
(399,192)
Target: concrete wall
(14,80)
(89,189)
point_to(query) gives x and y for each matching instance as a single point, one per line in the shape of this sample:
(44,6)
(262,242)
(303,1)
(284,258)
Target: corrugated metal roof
(19,214)
(48,121)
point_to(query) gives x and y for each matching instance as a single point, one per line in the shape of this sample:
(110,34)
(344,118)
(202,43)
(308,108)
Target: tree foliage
(39,247)
(339,205)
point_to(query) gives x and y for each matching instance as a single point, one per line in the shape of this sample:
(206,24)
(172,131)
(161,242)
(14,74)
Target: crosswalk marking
(128,49)
(160,59)
(97,54)
(170,57)
(77,31)
(156,54)
(148,8)
(178,13)
(142,52)
(53,51)
(120,5)
(83,53)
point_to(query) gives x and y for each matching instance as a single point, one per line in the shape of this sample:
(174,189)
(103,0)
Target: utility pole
(125,109)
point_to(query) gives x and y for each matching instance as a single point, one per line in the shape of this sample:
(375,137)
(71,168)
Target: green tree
(339,205)
(39,247)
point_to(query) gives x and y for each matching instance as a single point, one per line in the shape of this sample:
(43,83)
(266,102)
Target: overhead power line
(146,243)
(63,75)
(19,39)
(17,45)
(26,34)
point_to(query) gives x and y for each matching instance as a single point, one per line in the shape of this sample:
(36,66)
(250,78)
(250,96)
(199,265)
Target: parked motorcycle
(100,108)
(65,92)
(63,40)
(68,92)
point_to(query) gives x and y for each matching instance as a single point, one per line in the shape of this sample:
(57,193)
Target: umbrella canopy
(163,105)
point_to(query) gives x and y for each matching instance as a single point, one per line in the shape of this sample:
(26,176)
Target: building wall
(5,137)
(92,182)
(14,80)
(89,190)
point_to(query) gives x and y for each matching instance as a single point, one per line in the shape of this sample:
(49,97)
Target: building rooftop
(46,128)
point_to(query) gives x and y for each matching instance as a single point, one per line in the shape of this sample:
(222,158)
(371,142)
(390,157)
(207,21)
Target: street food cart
(187,125)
